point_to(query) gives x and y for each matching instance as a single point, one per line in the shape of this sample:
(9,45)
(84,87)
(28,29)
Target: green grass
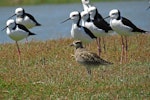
(36,2)
(49,72)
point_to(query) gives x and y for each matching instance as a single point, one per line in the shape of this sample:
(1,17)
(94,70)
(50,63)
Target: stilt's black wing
(31,17)
(25,29)
(89,32)
(127,22)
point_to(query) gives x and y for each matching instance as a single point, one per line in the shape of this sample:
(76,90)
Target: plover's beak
(65,20)
(106,17)
(4,28)
(71,45)
(12,16)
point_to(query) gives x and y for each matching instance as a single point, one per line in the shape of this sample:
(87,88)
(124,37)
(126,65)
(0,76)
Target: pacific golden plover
(87,58)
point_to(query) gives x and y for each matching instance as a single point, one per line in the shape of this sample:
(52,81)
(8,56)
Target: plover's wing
(90,58)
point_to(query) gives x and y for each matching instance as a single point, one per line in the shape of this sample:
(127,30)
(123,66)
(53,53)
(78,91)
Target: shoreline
(5,3)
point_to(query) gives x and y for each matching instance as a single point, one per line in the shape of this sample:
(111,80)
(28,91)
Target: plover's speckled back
(87,58)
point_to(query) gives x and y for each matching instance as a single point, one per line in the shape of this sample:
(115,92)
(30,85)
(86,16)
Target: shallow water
(50,17)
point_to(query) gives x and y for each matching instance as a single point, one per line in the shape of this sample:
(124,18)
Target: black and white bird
(98,32)
(16,32)
(79,32)
(87,58)
(96,17)
(124,27)
(25,19)
(98,20)
(86,4)
(100,23)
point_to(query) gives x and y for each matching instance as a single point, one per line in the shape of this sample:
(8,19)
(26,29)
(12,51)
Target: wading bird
(124,27)
(25,19)
(100,23)
(17,32)
(79,32)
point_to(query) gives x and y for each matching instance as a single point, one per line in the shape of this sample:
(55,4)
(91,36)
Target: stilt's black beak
(107,17)
(148,8)
(65,20)
(12,16)
(4,28)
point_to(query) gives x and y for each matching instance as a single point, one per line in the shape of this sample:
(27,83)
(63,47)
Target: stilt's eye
(74,15)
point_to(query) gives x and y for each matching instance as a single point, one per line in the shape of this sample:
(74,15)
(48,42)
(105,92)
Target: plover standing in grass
(124,27)
(17,32)
(79,32)
(87,58)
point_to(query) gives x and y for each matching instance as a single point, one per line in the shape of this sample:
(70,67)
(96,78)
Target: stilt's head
(19,11)
(75,16)
(10,24)
(114,14)
(85,2)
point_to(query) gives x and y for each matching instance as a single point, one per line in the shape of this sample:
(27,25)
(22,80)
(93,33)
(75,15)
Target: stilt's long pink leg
(104,45)
(122,51)
(19,53)
(126,48)
(99,46)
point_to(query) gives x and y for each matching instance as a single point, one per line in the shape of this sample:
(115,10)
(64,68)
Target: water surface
(50,17)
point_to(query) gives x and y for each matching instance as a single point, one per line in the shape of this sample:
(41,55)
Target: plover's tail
(104,62)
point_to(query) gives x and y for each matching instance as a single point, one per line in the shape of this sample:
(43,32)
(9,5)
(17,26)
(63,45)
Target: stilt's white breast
(17,34)
(79,34)
(120,28)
